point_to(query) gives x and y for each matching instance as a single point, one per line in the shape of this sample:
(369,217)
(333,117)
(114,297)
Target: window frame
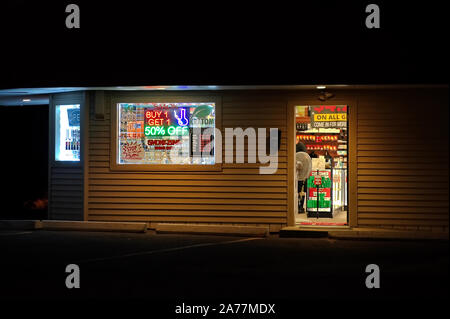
(56,137)
(163,98)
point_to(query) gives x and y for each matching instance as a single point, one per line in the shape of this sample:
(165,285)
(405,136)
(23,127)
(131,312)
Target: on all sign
(330,117)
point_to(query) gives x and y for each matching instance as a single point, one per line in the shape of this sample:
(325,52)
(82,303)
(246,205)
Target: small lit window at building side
(67,133)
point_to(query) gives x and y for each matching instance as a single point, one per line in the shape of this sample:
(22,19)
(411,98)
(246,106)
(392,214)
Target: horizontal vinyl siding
(236,195)
(402,160)
(66,193)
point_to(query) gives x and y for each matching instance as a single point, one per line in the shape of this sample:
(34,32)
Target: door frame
(351,103)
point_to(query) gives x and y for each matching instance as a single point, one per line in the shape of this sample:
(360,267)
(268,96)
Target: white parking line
(164,250)
(12,234)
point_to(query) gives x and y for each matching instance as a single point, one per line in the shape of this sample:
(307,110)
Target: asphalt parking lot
(191,267)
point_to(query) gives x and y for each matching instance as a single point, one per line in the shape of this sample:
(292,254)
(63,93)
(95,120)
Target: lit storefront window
(67,133)
(166,133)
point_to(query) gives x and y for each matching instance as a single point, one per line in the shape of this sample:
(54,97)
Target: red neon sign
(157,118)
(162,142)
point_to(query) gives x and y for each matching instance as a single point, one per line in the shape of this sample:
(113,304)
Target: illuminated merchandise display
(339,193)
(67,129)
(166,133)
(319,182)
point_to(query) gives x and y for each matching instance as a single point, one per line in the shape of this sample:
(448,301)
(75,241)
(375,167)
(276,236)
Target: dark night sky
(127,43)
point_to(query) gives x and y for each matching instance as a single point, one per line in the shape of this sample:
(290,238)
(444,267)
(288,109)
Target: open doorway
(322,197)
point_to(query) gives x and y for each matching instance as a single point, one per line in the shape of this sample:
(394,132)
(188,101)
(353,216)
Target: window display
(67,133)
(166,133)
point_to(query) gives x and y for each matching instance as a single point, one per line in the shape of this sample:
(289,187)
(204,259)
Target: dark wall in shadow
(24,158)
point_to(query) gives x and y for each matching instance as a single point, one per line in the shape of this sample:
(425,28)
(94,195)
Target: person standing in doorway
(302,173)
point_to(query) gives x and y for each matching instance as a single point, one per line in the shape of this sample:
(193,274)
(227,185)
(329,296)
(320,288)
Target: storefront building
(382,156)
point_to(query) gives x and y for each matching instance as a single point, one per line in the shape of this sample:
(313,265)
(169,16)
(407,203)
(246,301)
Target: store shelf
(322,130)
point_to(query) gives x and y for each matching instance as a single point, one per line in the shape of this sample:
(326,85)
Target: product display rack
(320,206)
(339,189)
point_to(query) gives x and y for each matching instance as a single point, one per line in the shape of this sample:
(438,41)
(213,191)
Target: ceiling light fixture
(321,87)
(325,96)
(26,100)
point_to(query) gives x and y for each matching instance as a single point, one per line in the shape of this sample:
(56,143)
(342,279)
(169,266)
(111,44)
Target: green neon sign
(171,130)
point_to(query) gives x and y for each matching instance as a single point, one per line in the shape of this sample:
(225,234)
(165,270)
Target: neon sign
(172,121)
(155,117)
(166,130)
(182,120)
(178,116)
(162,144)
